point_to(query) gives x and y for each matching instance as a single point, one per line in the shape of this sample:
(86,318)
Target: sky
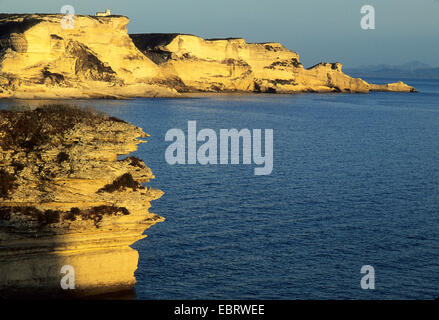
(319,30)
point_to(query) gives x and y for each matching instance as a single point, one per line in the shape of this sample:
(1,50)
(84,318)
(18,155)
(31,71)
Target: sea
(353,197)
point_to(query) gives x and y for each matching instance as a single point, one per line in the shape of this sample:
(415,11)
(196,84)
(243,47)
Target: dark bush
(124,181)
(136,162)
(49,217)
(116,119)
(75,211)
(54,216)
(30,129)
(18,166)
(7,183)
(97,213)
(44,218)
(62,156)
(71,215)
(5,213)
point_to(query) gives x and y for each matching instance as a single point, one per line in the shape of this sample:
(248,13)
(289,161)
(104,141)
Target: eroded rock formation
(98,59)
(65,199)
(41,59)
(222,65)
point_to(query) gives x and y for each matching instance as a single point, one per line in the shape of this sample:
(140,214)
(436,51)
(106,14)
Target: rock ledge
(65,199)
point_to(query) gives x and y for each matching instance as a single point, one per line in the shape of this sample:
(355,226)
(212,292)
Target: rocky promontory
(67,200)
(98,59)
(227,65)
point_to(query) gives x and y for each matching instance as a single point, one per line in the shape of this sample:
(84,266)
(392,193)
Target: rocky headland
(67,200)
(39,59)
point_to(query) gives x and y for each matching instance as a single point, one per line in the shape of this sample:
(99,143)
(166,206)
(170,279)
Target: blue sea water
(355,182)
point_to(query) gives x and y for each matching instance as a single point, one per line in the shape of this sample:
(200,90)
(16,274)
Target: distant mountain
(412,70)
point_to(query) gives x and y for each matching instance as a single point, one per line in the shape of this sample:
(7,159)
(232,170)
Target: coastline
(41,60)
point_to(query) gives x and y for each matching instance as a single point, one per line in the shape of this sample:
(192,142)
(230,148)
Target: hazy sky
(319,30)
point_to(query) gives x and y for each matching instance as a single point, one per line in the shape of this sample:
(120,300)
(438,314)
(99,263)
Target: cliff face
(97,58)
(234,65)
(39,58)
(217,65)
(65,199)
